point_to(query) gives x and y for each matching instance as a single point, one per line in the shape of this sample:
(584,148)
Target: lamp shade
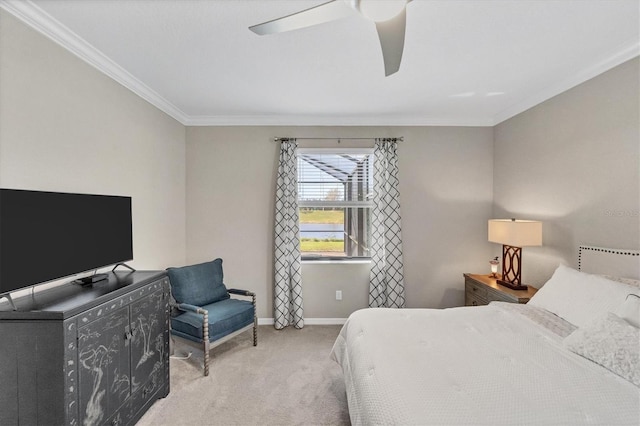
(515,233)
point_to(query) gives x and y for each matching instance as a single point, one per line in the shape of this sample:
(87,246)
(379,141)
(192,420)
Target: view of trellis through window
(335,196)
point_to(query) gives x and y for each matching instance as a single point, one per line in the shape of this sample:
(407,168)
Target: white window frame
(343,204)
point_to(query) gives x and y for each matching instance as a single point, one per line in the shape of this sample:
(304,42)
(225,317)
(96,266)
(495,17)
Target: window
(335,189)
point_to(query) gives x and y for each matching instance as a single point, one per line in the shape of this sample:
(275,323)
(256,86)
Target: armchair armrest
(248,293)
(188,307)
(240,292)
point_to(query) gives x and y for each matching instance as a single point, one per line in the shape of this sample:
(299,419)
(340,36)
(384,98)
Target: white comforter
(485,365)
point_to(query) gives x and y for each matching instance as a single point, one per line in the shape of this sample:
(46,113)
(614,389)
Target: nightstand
(482,289)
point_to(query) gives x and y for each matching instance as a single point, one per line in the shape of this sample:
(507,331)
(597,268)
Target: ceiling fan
(389,16)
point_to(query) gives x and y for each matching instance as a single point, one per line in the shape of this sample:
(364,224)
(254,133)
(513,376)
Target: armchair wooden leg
(205,338)
(255,331)
(206,357)
(255,320)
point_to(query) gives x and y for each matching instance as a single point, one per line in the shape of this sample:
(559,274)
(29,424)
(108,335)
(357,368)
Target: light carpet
(288,379)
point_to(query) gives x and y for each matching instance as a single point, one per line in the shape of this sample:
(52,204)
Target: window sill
(335,261)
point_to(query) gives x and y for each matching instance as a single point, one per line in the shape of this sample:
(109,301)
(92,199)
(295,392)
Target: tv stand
(8,297)
(92,279)
(122,264)
(95,355)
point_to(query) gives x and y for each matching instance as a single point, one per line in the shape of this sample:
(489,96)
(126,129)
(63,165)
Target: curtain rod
(276,139)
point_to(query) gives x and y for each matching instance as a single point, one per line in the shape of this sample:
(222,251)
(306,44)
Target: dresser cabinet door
(148,344)
(104,366)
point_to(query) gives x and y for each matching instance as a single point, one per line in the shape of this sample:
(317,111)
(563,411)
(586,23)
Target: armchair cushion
(225,317)
(199,284)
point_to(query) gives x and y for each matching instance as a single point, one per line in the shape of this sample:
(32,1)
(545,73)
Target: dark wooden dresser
(74,355)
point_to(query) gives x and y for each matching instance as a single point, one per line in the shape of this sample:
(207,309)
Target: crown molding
(373,121)
(626,52)
(45,24)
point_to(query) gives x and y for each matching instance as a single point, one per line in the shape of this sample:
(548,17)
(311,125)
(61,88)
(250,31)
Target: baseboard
(308,321)
(325,321)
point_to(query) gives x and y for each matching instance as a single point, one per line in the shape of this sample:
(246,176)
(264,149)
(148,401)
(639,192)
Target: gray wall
(446,196)
(573,162)
(64,126)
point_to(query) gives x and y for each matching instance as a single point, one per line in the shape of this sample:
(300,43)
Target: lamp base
(511,285)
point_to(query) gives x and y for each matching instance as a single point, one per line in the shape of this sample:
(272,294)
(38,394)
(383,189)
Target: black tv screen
(49,235)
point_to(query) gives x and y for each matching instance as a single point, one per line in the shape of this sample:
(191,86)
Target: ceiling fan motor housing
(378,10)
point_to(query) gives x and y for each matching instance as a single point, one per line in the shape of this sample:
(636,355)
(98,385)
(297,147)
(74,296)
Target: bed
(570,356)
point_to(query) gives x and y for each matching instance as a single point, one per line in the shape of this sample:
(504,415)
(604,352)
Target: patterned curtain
(287,302)
(386,281)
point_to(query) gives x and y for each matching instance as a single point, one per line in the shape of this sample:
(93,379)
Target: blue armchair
(204,312)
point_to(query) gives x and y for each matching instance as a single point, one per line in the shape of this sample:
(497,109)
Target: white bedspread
(486,365)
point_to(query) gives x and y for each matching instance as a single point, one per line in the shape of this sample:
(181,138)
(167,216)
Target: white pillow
(630,310)
(629,281)
(578,297)
(611,342)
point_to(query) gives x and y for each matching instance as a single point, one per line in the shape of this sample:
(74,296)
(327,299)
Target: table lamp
(513,235)
(494,267)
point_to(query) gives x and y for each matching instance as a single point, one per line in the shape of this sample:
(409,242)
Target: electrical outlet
(338,295)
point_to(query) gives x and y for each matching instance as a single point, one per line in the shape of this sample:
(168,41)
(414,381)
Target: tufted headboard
(609,261)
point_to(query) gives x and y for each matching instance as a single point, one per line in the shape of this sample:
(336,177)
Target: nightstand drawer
(500,297)
(471,299)
(475,289)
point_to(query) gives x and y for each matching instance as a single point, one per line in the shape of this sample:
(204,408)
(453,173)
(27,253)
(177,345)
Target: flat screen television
(51,235)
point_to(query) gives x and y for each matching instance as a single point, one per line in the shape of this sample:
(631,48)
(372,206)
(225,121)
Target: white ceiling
(475,62)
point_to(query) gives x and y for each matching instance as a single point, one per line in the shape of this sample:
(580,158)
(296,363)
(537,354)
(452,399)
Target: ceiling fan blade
(391,34)
(330,11)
